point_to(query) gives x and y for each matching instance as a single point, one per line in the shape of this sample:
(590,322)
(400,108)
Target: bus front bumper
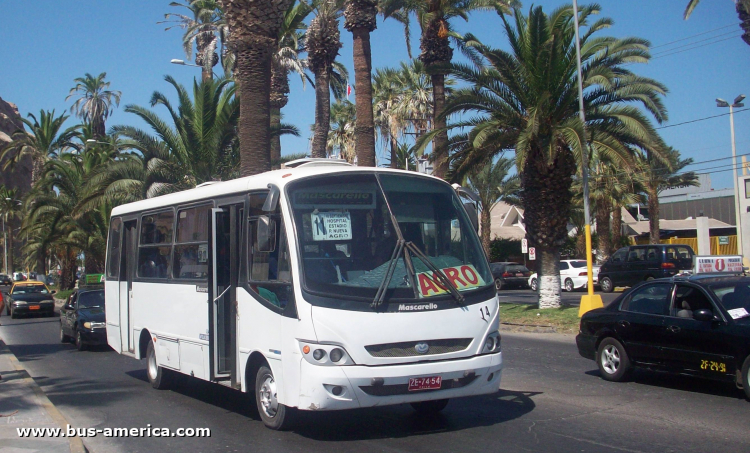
(349,387)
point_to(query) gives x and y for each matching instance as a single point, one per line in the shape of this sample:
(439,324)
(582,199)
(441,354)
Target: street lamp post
(590,301)
(737,103)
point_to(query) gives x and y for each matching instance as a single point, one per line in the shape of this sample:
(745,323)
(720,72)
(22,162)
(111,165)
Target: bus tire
(274,415)
(157,376)
(430,407)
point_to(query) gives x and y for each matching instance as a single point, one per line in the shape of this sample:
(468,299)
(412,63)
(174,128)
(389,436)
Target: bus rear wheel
(157,376)
(275,415)
(430,407)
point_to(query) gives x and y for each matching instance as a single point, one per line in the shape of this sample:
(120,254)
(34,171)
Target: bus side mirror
(471,209)
(265,234)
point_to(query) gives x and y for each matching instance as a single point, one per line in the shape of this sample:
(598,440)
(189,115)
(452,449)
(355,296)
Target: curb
(76,444)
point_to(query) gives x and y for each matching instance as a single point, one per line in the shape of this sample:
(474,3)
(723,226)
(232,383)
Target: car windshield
(91,299)
(578,264)
(30,289)
(346,235)
(734,296)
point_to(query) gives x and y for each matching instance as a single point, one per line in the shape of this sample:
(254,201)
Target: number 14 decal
(484,310)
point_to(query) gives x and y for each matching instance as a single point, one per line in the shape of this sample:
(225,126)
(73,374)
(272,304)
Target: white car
(573,275)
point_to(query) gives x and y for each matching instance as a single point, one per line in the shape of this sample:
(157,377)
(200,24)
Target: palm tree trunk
(322,112)
(364,132)
(394,151)
(253,75)
(485,229)
(10,250)
(92,264)
(616,228)
(546,197)
(276,139)
(603,231)
(653,216)
(68,271)
(549,277)
(440,143)
(743,12)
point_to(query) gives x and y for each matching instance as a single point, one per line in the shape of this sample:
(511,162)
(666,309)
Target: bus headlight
(492,343)
(325,354)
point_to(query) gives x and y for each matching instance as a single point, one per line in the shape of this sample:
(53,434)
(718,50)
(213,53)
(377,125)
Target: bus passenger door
(225,246)
(127,269)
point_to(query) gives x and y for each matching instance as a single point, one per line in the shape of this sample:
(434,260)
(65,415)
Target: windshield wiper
(436,272)
(380,295)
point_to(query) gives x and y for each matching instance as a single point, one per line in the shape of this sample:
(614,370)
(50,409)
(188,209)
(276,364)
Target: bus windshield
(347,237)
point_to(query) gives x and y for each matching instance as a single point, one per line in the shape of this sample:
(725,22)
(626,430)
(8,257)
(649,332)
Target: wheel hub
(610,359)
(267,396)
(152,371)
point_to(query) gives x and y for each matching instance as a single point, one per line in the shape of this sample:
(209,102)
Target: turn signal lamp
(306,349)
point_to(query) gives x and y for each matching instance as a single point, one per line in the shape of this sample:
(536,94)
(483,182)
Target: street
(550,399)
(573,299)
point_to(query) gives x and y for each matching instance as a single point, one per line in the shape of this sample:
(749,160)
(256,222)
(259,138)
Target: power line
(701,119)
(693,36)
(696,47)
(720,35)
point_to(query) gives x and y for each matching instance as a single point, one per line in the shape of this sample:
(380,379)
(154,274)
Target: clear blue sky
(47,43)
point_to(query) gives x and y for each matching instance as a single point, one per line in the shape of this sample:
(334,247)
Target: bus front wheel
(157,376)
(275,415)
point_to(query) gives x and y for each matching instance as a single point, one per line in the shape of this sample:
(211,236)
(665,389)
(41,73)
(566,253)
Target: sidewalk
(23,404)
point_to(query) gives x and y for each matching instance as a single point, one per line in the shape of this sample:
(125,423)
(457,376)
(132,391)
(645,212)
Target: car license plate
(33,307)
(425,383)
(520,274)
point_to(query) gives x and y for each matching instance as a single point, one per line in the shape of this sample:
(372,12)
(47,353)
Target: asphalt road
(550,399)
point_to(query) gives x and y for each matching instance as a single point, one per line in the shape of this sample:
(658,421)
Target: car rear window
(679,255)
(578,264)
(29,289)
(516,268)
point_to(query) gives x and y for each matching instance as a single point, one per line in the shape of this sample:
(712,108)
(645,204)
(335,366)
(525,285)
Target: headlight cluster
(325,354)
(93,325)
(491,343)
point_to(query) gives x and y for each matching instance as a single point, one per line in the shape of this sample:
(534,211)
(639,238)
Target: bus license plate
(33,307)
(425,383)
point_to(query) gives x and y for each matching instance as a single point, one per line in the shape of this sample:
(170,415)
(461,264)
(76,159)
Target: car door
(614,268)
(70,307)
(564,272)
(636,266)
(641,323)
(698,347)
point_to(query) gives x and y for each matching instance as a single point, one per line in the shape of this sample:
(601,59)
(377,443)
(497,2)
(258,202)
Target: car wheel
(606,284)
(534,285)
(569,287)
(157,376)
(63,338)
(746,377)
(498,284)
(274,414)
(80,345)
(430,407)
(613,361)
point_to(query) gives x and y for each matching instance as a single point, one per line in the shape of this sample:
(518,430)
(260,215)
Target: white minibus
(322,286)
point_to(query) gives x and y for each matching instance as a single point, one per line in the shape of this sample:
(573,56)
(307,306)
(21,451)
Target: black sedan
(510,274)
(696,325)
(82,318)
(30,298)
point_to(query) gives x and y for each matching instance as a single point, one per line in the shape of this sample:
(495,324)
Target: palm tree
(405,159)
(323,41)
(434,18)
(201,27)
(743,11)
(203,127)
(285,60)
(387,93)
(45,139)
(360,18)
(253,31)
(527,100)
(342,137)
(493,185)
(10,209)
(656,172)
(95,101)
(416,104)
